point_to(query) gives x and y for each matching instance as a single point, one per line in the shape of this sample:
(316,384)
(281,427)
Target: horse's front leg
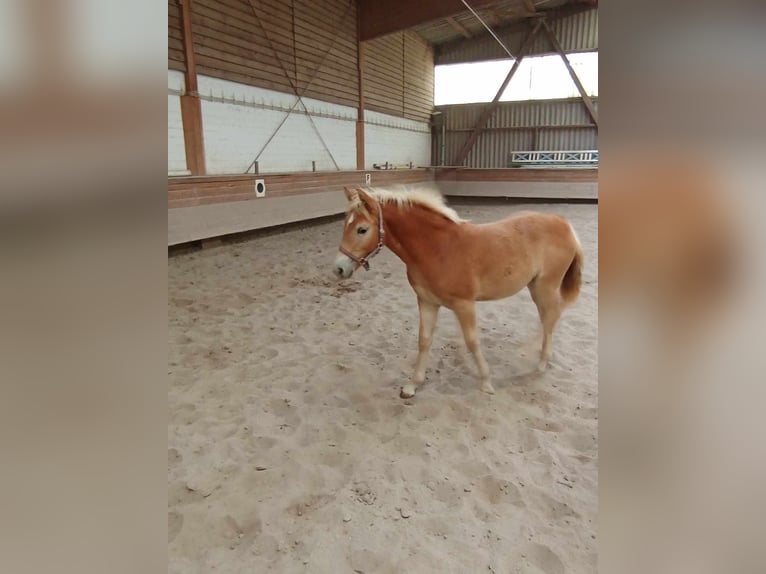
(428,315)
(466,314)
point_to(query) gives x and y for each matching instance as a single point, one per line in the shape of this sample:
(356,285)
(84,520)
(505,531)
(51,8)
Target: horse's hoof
(407,392)
(541,366)
(488,388)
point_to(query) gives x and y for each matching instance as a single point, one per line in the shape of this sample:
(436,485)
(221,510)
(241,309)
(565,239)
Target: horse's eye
(361,230)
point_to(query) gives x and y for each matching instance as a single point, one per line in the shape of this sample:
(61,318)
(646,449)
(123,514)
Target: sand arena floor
(289,449)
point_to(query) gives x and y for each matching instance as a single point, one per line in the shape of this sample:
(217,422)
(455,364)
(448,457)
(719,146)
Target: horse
(453,263)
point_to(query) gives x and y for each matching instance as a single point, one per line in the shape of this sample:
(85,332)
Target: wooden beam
(490,108)
(530,6)
(585,97)
(191,108)
(190,77)
(378,18)
(458,27)
(191,120)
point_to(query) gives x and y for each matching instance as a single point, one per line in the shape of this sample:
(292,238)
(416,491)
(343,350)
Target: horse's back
(502,257)
(537,218)
(533,227)
(545,240)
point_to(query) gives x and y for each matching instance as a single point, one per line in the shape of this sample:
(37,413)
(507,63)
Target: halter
(365,261)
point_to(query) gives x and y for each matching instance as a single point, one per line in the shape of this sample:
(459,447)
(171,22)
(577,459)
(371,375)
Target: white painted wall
(237,120)
(237,123)
(395,140)
(176,150)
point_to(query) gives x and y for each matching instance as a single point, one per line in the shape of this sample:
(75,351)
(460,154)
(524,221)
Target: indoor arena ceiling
(497,14)
(441,21)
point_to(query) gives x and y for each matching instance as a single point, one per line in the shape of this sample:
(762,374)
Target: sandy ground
(289,449)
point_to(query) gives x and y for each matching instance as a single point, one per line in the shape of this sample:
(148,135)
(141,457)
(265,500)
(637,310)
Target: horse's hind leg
(428,314)
(466,314)
(547,298)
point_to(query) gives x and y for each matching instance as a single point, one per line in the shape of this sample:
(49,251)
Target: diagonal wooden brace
(490,108)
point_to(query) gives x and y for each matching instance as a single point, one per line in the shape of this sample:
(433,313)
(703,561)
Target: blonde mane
(406,196)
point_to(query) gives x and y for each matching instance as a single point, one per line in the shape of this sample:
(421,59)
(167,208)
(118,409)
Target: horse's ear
(368,201)
(351,194)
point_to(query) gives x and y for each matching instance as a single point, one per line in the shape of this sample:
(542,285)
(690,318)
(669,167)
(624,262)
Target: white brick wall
(176,150)
(236,126)
(397,141)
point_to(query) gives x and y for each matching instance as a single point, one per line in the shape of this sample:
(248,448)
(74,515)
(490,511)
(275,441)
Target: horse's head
(362,233)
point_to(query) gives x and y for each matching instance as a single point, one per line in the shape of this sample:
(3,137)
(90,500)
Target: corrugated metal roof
(577,33)
(497,14)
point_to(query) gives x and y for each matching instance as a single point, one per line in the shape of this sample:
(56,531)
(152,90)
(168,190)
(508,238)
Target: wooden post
(360,108)
(490,108)
(191,107)
(585,97)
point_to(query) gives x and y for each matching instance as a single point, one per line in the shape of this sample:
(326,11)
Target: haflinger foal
(453,263)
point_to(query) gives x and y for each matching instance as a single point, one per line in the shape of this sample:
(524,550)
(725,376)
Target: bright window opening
(538,78)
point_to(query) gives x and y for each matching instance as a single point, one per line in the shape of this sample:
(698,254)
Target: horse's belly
(485,289)
(500,288)
(427,295)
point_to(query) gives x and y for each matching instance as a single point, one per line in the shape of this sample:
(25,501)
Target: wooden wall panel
(307,44)
(399,76)
(188,224)
(326,51)
(191,191)
(311,46)
(203,190)
(521,184)
(418,78)
(584,175)
(176,59)
(279,45)
(384,75)
(217,24)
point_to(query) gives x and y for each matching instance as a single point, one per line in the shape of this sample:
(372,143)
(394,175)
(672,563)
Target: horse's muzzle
(343,268)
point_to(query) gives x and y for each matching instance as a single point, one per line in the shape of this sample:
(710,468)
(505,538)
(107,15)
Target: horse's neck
(414,233)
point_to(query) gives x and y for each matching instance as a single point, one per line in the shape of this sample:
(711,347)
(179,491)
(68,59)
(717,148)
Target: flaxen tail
(572,281)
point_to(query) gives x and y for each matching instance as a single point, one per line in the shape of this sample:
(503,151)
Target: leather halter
(365,261)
